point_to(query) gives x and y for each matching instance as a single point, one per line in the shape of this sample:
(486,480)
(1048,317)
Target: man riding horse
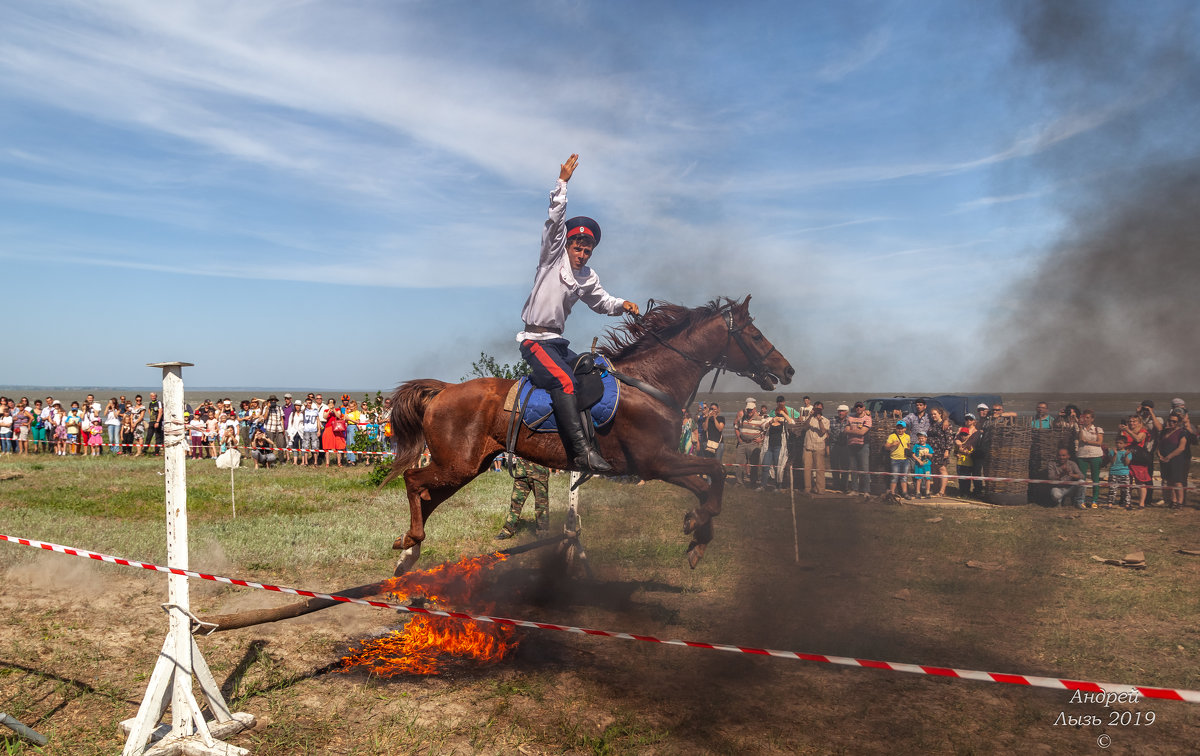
(563,278)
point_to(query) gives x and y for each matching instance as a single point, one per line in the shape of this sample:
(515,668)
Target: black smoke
(1109,306)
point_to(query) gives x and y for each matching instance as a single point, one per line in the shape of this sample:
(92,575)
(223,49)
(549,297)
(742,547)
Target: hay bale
(1005,449)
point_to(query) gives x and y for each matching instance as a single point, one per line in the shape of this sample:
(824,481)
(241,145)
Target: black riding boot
(570,427)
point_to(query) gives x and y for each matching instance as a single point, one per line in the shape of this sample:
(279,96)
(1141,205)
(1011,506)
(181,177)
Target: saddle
(596,392)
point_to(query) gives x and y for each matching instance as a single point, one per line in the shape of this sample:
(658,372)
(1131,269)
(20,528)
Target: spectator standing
(333,437)
(1140,458)
(154,426)
(858,425)
(968,464)
(1041,418)
(922,465)
(312,432)
(37,428)
(687,434)
(295,433)
(1118,475)
(816,434)
(774,456)
(1089,453)
(195,426)
(112,426)
(918,421)
(1174,457)
(748,433)
(74,423)
(839,452)
(941,440)
(272,420)
(898,446)
(714,433)
(352,417)
(6,427)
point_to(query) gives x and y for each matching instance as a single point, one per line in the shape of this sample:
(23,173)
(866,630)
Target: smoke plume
(1108,308)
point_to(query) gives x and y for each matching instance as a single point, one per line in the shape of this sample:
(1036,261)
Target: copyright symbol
(1104,740)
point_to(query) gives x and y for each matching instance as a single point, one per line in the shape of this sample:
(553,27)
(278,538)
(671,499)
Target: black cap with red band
(581,224)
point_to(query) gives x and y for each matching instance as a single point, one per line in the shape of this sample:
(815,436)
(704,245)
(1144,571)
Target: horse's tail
(407,419)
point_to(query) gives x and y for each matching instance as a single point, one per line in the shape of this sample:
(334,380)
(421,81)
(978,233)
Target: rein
(733,334)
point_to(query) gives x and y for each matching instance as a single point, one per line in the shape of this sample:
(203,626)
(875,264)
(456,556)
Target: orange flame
(425,642)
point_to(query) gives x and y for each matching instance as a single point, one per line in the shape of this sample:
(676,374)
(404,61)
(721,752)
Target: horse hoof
(408,558)
(695,553)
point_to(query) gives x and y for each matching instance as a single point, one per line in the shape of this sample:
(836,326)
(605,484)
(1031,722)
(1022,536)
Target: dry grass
(80,638)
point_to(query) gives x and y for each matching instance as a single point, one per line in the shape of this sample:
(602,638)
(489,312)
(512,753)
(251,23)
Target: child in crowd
(922,460)
(95,438)
(1119,492)
(897,446)
(195,436)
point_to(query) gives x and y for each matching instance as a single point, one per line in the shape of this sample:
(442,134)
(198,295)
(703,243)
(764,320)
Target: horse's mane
(663,320)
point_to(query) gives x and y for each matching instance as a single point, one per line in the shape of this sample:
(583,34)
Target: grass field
(873,581)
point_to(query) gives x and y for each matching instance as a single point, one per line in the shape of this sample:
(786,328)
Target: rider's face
(579,250)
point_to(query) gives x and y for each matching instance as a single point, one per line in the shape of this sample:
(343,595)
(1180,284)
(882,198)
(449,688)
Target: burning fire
(425,642)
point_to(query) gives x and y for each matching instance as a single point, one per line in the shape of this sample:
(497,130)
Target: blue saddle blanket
(538,404)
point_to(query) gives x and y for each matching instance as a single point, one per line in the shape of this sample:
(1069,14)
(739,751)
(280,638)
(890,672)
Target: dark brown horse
(670,347)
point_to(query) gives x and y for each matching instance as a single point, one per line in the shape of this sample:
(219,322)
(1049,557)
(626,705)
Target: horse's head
(750,354)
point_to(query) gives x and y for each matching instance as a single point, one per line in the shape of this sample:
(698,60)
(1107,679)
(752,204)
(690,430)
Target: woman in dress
(1174,457)
(941,438)
(333,438)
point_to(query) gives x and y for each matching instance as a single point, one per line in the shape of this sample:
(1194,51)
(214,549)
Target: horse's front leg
(704,477)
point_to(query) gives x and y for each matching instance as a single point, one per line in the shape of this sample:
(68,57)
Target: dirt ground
(78,641)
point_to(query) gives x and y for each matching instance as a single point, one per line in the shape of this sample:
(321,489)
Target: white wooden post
(180,659)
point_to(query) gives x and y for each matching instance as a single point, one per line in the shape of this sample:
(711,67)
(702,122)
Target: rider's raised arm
(554,239)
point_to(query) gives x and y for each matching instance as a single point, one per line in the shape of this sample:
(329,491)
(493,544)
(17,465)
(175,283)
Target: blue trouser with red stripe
(551,363)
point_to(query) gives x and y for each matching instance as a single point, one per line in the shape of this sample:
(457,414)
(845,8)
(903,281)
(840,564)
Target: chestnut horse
(669,347)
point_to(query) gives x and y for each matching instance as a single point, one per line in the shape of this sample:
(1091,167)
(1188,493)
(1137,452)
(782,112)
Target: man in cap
(748,435)
(839,451)
(273,423)
(562,279)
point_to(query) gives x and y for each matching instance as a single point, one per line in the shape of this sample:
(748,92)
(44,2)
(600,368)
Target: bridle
(733,335)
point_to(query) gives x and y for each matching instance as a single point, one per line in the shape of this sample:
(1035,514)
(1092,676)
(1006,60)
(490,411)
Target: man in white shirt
(562,279)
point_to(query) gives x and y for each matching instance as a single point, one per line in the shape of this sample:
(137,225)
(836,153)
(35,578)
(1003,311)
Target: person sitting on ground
(897,446)
(563,278)
(1063,470)
(262,449)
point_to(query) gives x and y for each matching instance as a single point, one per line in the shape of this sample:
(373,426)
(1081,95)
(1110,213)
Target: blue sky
(350,194)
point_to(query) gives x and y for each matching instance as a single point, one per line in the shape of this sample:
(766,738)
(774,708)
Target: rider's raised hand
(566,169)
(628,306)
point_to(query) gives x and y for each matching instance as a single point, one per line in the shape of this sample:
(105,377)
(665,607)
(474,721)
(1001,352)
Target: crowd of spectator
(302,431)
(926,447)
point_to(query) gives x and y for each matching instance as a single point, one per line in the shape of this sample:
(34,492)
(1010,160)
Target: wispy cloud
(867,50)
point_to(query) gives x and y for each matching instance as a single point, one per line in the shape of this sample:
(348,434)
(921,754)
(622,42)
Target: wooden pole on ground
(179,661)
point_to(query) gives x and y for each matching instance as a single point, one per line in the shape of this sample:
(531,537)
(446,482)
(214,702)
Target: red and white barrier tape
(1169,694)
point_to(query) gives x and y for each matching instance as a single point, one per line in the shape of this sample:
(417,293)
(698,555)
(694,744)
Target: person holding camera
(714,430)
